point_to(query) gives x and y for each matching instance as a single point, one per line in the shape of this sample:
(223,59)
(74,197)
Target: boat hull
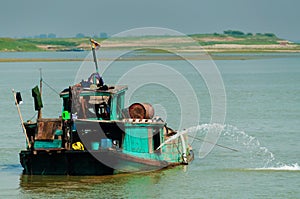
(69,162)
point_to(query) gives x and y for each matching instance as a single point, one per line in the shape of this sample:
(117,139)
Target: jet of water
(251,152)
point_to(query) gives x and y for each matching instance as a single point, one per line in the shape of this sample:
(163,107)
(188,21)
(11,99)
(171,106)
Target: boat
(97,135)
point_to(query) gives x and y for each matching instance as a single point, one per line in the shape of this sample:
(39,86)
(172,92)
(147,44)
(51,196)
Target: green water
(262,123)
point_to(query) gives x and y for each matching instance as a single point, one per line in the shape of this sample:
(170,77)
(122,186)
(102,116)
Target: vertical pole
(94,44)
(41,87)
(96,64)
(95,58)
(21,119)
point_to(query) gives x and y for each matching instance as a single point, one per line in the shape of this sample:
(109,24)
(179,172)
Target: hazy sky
(66,18)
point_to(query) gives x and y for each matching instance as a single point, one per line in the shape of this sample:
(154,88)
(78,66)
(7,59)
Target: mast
(95,45)
(41,86)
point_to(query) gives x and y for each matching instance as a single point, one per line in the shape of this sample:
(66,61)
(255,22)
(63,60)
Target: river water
(261,125)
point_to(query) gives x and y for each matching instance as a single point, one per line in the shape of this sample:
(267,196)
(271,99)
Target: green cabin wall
(139,137)
(136,139)
(116,106)
(136,143)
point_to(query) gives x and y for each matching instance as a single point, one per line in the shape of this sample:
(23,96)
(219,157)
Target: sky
(66,18)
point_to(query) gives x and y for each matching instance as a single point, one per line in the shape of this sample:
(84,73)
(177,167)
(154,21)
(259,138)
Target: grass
(8,44)
(34,44)
(54,42)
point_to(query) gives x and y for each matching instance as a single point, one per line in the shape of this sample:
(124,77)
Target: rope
(33,116)
(222,146)
(55,91)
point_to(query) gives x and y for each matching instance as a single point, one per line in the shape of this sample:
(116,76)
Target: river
(262,123)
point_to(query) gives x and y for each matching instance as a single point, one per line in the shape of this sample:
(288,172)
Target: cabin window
(119,108)
(100,106)
(156,139)
(117,105)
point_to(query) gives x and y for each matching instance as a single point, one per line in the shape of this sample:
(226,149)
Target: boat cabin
(99,118)
(101,104)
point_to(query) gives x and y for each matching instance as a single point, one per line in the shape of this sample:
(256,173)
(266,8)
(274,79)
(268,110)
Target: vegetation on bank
(41,44)
(9,44)
(237,37)
(207,40)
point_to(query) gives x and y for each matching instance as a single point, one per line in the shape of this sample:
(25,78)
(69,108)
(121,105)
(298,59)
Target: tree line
(240,33)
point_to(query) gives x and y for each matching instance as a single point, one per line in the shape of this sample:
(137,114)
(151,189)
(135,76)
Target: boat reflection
(112,186)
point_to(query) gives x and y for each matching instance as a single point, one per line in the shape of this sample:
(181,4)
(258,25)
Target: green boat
(97,135)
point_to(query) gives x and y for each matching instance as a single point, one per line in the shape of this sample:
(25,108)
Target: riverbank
(211,43)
